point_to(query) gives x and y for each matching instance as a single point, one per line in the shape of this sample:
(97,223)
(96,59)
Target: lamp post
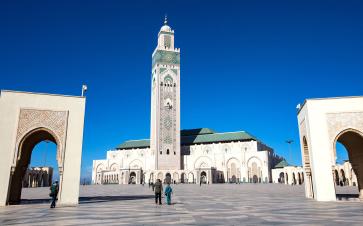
(45,153)
(84,89)
(289,142)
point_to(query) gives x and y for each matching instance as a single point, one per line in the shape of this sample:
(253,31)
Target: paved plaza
(221,204)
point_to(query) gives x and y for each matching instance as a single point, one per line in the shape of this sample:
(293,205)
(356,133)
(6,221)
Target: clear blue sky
(245,65)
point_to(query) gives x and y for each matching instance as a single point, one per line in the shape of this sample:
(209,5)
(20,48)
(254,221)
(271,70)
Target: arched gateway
(27,119)
(323,123)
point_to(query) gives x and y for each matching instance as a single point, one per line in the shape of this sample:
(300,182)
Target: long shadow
(346,197)
(91,199)
(33,201)
(96,199)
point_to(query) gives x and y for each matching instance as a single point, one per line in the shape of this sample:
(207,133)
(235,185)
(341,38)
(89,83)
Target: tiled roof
(282,164)
(195,136)
(134,144)
(199,131)
(216,137)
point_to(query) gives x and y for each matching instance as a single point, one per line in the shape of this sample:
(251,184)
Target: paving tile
(221,204)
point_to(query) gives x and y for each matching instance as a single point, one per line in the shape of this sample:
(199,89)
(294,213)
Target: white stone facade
(242,161)
(292,175)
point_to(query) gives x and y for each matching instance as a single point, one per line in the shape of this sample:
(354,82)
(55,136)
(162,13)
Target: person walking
(54,193)
(168,192)
(158,187)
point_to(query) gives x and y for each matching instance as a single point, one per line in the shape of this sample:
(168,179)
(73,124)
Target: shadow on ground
(96,199)
(92,199)
(347,197)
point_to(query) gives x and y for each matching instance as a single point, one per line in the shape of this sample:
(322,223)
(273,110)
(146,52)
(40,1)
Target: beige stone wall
(61,116)
(321,121)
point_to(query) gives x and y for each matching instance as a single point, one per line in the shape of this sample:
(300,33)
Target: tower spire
(166,19)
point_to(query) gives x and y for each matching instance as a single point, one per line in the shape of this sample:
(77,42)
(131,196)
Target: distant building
(287,174)
(182,156)
(38,177)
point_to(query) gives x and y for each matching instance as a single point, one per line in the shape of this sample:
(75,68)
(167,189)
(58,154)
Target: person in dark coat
(54,193)
(158,188)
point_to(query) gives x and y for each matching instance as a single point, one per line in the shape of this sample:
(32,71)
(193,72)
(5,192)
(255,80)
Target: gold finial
(166,19)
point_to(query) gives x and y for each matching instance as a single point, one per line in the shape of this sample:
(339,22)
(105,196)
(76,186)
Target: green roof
(134,144)
(282,164)
(199,131)
(216,137)
(195,136)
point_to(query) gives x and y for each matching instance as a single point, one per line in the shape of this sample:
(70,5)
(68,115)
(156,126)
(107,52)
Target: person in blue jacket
(168,192)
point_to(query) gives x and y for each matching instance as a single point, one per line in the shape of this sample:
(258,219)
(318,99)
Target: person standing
(168,192)
(158,187)
(54,193)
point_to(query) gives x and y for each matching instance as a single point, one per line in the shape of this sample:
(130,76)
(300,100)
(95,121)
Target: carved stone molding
(54,121)
(338,122)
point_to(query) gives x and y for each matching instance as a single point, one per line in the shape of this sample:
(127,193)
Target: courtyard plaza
(217,204)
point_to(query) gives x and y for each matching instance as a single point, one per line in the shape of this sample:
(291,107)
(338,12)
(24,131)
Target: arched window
(167,151)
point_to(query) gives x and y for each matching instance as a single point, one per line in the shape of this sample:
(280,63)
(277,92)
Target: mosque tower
(165,102)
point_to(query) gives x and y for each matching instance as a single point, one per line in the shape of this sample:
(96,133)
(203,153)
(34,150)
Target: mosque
(182,156)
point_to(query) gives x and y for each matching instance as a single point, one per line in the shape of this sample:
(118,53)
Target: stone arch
(191,178)
(31,115)
(160,176)
(151,178)
(233,170)
(343,178)
(282,178)
(309,189)
(254,158)
(298,178)
(175,177)
(132,178)
(114,167)
(352,140)
(203,177)
(205,160)
(167,178)
(24,152)
(136,164)
(182,178)
(254,165)
(100,167)
(293,178)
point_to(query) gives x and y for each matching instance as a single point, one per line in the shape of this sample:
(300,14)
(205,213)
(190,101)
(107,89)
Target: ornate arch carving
(33,120)
(203,159)
(254,157)
(136,161)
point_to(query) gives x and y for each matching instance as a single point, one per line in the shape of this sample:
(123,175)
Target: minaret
(165,102)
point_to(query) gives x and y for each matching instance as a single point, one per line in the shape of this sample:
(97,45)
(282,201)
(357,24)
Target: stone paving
(221,204)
